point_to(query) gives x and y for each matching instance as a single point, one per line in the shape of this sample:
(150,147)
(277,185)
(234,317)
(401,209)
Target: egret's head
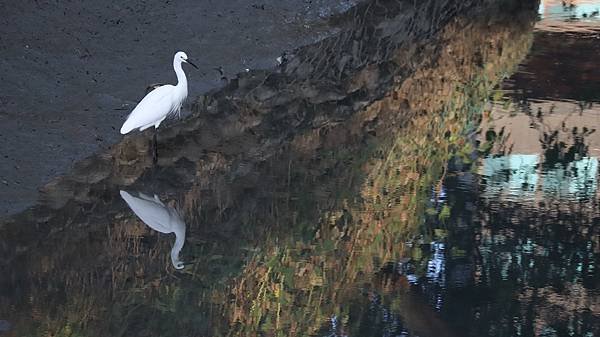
(182,57)
(177,263)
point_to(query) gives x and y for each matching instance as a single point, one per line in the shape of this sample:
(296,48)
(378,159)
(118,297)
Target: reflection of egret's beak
(190,62)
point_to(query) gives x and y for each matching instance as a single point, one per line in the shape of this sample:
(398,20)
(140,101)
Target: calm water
(430,170)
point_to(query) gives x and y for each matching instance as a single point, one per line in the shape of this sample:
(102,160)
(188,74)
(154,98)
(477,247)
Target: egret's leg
(155,146)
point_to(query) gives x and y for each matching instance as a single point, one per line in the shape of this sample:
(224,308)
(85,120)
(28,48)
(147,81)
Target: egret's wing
(151,199)
(158,200)
(153,214)
(153,86)
(154,107)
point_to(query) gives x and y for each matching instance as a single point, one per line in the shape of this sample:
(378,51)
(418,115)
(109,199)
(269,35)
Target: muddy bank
(297,186)
(69,74)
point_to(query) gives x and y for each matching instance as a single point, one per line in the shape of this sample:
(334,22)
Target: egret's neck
(179,241)
(181,79)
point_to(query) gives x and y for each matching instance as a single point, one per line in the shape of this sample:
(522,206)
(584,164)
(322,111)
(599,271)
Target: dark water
(429,171)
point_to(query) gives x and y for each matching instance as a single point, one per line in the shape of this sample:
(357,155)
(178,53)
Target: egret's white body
(161,218)
(160,102)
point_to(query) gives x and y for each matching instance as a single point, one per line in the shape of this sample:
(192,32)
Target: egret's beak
(190,62)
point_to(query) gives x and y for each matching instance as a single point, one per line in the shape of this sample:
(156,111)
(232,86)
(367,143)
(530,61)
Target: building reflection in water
(530,203)
(569,15)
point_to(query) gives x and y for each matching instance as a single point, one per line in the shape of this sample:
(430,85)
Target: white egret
(159,103)
(161,218)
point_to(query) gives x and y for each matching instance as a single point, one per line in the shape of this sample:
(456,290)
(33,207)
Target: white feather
(159,217)
(160,102)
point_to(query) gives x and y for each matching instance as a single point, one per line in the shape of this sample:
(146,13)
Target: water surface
(413,175)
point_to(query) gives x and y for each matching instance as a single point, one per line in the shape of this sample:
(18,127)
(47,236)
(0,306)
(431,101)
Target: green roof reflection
(520,177)
(515,175)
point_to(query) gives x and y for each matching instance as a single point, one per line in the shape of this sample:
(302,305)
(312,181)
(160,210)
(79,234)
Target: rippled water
(521,242)
(430,170)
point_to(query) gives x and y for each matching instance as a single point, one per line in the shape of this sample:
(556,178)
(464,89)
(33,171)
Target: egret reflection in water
(161,218)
